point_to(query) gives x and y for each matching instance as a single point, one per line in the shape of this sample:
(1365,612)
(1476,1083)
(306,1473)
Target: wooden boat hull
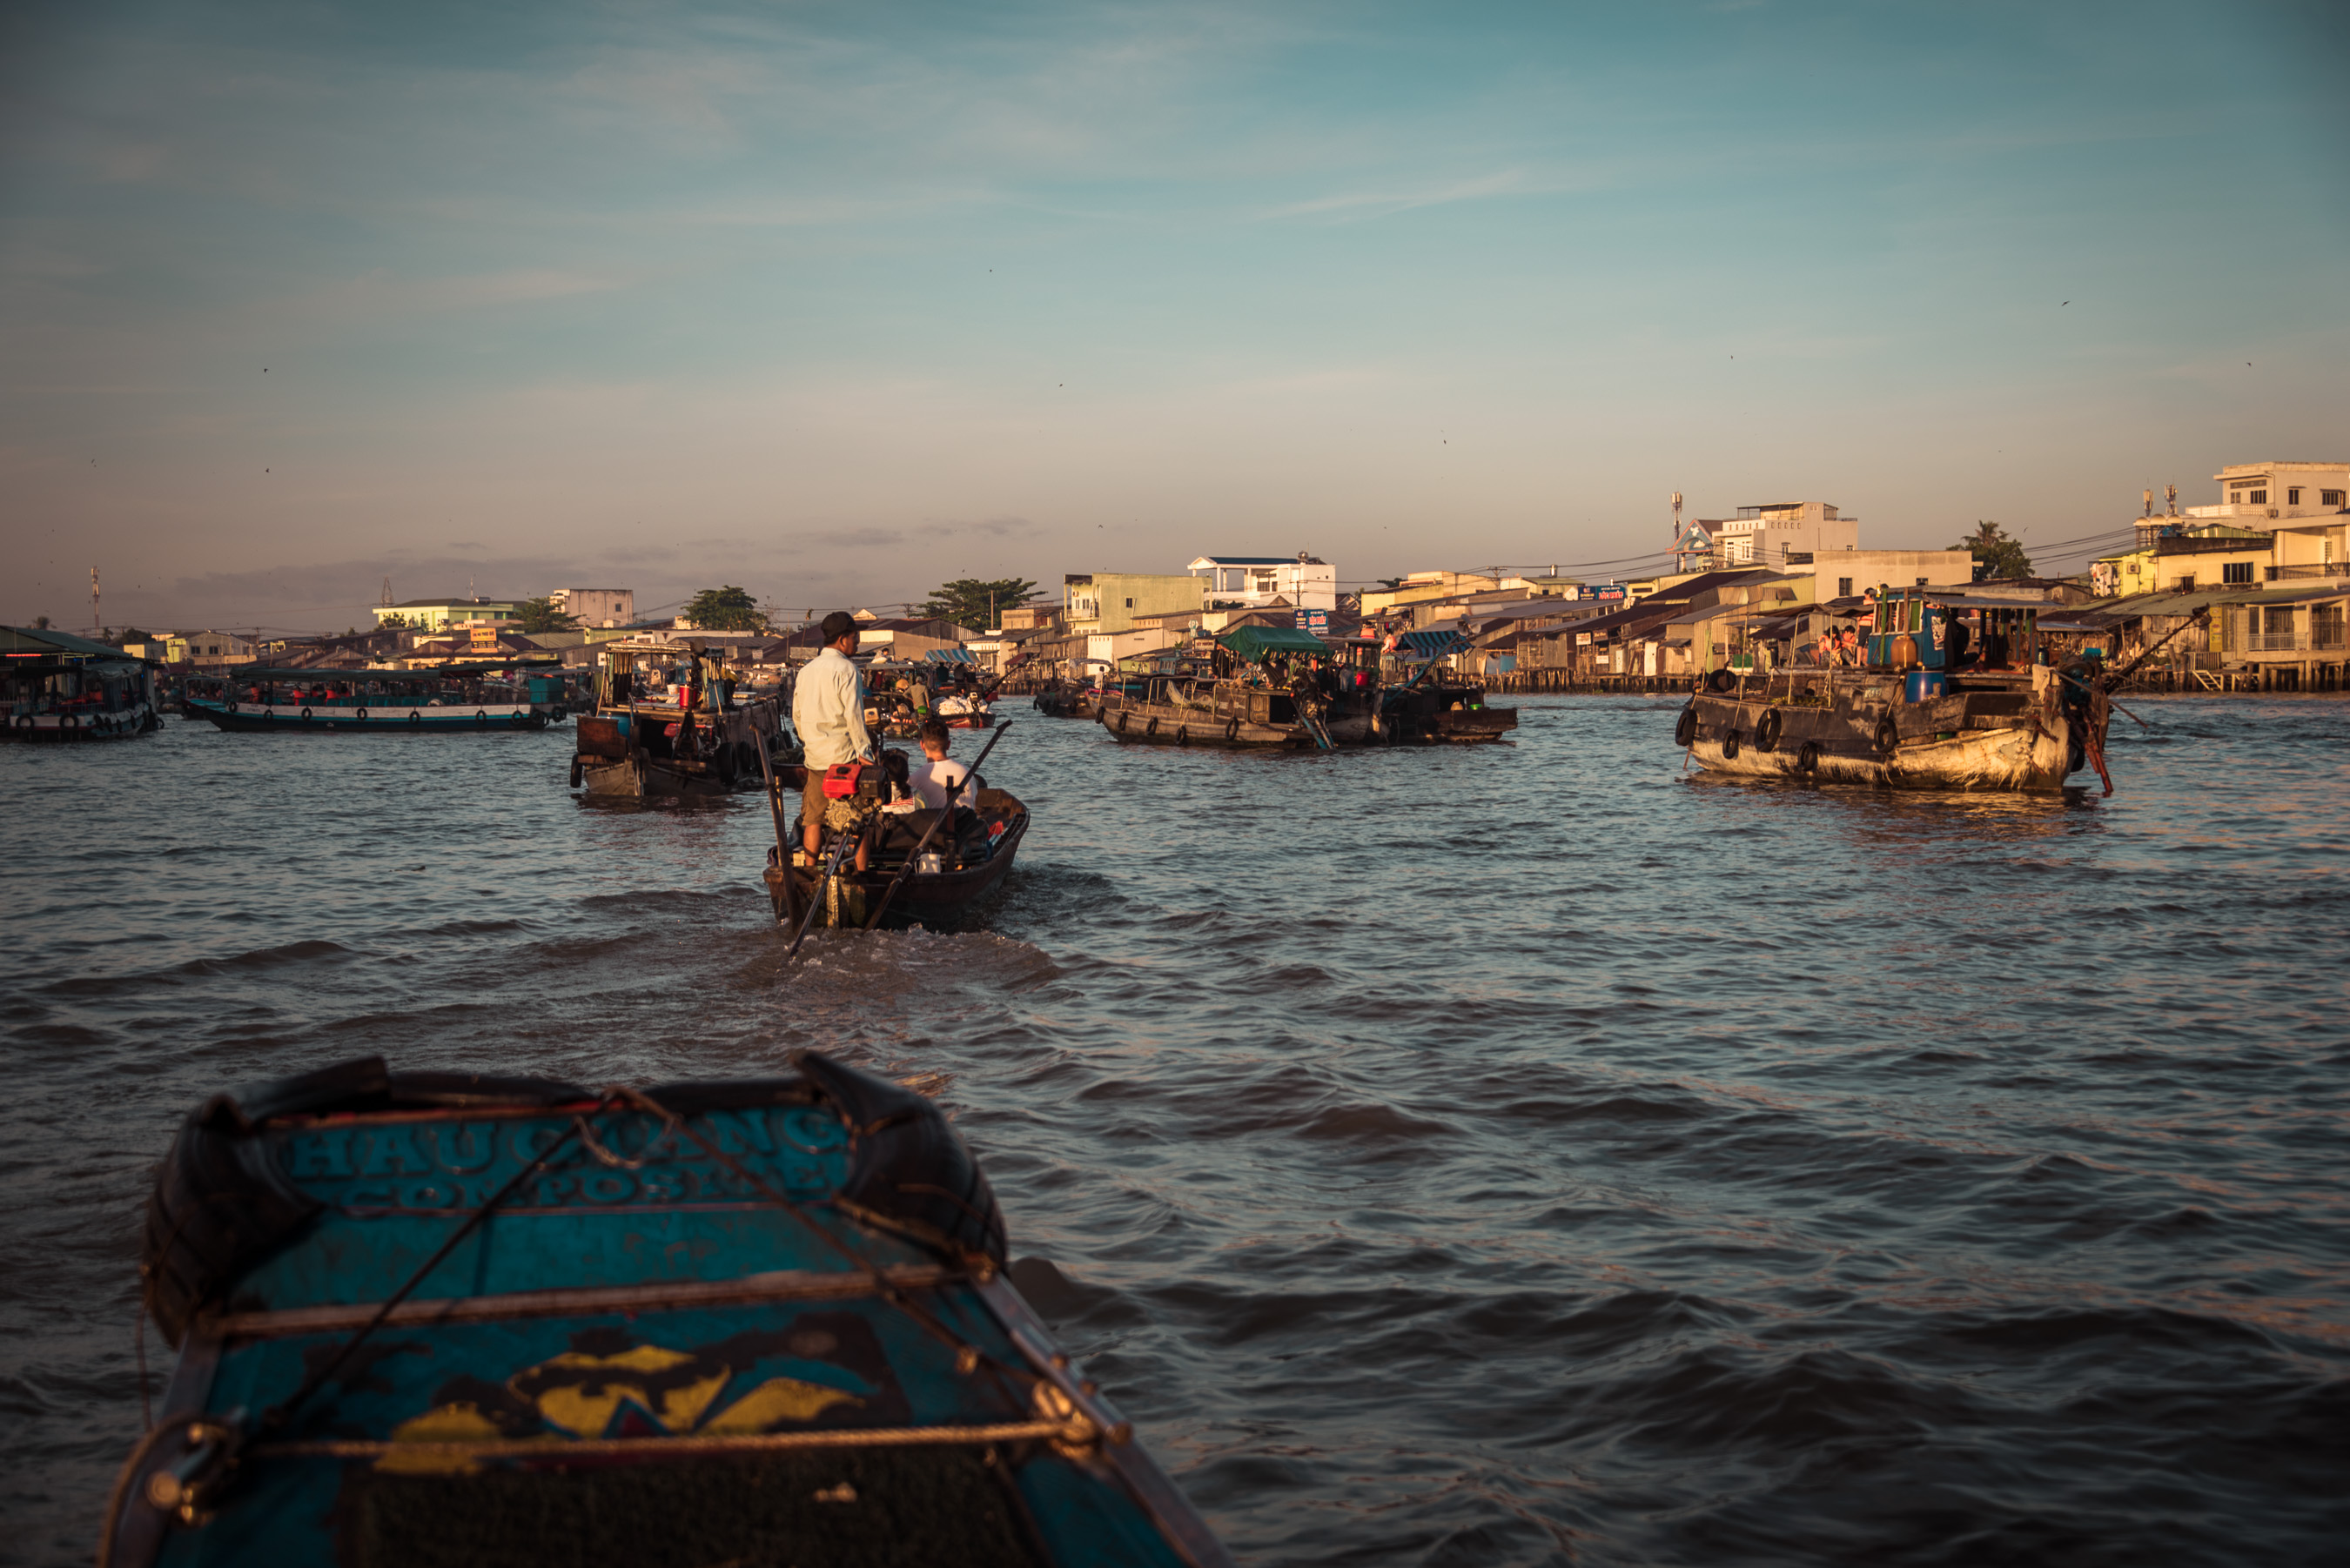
(65,728)
(1154,725)
(1065,705)
(262,719)
(941,901)
(645,778)
(2001,742)
(617,756)
(703,1323)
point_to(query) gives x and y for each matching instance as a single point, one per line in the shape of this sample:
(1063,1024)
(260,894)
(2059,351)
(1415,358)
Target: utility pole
(96,624)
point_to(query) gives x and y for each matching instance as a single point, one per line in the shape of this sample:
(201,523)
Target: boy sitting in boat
(939,775)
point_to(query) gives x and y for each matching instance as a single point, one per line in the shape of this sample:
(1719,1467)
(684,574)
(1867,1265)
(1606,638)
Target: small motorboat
(1068,702)
(949,878)
(432,1319)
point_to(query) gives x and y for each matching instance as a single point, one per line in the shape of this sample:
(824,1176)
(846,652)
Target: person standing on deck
(828,713)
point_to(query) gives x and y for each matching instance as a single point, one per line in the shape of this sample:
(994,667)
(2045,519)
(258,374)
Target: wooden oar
(775,810)
(841,845)
(945,816)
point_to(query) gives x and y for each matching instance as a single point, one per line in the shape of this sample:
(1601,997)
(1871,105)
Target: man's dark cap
(838,625)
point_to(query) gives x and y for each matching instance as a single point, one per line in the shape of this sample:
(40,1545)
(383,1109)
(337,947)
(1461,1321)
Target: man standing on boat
(828,713)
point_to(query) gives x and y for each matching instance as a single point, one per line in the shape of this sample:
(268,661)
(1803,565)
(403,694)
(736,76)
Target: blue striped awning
(950,656)
(1431,644)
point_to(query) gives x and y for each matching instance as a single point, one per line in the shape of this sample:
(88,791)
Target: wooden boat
(433,1319)
(1443,713)
(1437,707)
(631,749)
(1921,714)
(454,700)
(58,687)
(957,872)
(1065,704)
(1255,695)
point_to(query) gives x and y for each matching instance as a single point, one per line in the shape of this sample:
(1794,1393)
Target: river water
(1518,1155)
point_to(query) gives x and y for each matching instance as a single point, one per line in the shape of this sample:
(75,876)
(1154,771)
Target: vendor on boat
(828,714)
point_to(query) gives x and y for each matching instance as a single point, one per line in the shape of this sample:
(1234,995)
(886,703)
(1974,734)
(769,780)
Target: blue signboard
(1314,620)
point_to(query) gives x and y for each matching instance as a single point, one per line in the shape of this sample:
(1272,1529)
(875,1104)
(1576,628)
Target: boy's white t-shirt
(932,781)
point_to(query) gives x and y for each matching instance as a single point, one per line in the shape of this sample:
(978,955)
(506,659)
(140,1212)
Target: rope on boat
(1077,1429)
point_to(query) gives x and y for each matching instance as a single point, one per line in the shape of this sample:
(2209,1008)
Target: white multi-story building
(1782,534)
(1251,582)
(597,606)
(2254,493)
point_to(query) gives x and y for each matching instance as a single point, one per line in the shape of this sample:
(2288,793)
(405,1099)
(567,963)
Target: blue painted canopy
(950,656)
(1431,644)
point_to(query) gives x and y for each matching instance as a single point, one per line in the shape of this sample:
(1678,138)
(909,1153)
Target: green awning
(1253,642)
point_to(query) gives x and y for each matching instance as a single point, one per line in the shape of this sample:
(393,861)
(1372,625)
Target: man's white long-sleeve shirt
(829,711)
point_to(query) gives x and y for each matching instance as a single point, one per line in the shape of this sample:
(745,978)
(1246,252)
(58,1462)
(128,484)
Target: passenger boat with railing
(55,686)
(453,699)
(445,1320)
(1950,697)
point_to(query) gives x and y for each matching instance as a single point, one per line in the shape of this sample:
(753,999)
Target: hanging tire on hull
(1766,731)
(1685,727)
(1808,760)
(1888,734)
(1729,746)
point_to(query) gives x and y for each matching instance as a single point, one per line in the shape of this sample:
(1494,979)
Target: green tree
(726,609)
(979,605)
(540,615)
(391,623)
(2002,556)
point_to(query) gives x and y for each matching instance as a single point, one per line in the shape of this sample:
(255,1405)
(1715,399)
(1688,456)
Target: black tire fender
(481,718)
(361,714)
(1721,681)
(1685,727)
(415,717)
(1232,729)
(1766,731)
(1729,745)
(1182,734)
(1888,734)
(576,770)
(1808,760)
(306,715)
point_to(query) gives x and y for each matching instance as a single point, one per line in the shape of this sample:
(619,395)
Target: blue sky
(836,302)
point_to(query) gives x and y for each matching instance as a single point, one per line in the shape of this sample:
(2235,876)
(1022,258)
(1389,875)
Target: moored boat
(699,742)
(55,686)
(437,1319)
(1942,704)
(456,698)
